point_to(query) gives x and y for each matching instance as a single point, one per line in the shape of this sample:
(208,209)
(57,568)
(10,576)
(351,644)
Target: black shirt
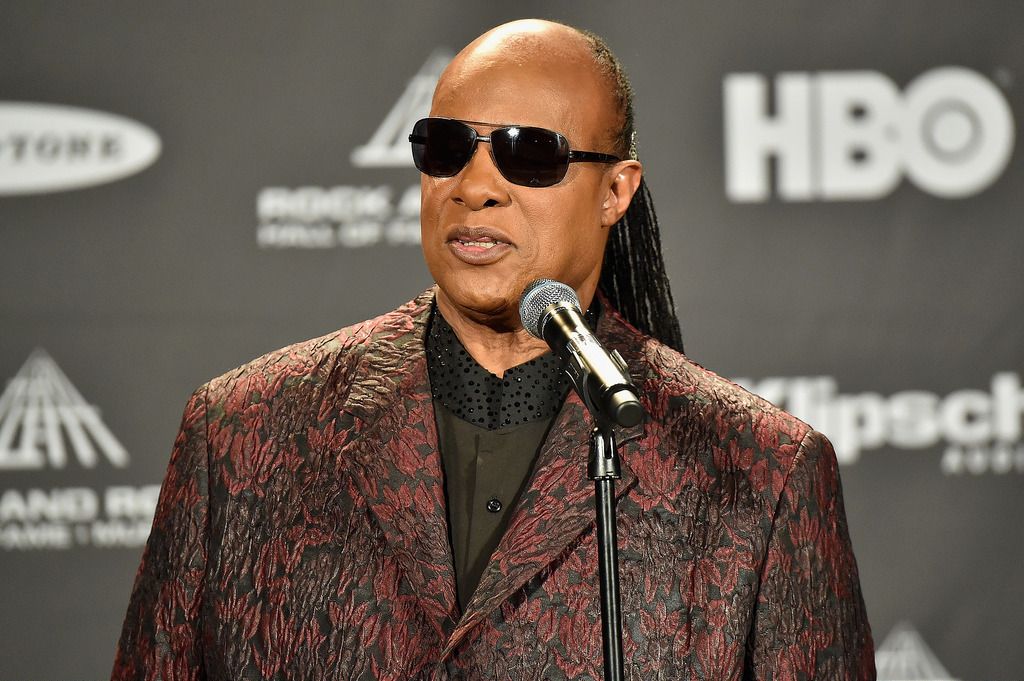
(490,430)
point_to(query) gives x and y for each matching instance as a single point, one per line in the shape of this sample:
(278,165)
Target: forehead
(547,89)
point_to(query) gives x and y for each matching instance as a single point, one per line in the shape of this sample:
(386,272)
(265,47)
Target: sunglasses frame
(573,156)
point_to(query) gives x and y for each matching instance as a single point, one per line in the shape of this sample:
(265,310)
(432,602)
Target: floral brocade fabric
(302,533)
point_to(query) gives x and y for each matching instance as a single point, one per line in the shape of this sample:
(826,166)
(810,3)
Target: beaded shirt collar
(527,392)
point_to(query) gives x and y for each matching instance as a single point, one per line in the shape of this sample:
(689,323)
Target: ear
(624,180)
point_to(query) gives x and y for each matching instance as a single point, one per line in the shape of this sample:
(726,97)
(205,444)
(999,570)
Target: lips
(478,245)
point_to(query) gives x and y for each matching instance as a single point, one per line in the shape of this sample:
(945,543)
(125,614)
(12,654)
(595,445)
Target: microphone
(550,311)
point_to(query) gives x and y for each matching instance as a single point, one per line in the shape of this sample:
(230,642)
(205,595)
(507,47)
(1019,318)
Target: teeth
(481,244)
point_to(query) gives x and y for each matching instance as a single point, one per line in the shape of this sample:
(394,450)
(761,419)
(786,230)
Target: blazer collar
(397,468)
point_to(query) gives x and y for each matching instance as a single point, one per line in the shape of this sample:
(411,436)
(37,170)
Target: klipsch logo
(981,429)
(853,135)
(904,655)
(46,423)
(49,148)
(354,216)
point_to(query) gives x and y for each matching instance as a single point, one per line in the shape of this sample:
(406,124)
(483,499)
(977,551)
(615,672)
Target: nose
(480,185)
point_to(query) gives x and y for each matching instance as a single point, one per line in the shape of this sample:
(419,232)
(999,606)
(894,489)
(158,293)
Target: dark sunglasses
(532,157)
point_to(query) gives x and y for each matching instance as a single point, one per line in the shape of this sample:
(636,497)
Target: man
(407,498)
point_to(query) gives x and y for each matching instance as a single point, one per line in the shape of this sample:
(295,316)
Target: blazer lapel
(556,508)
(395,459)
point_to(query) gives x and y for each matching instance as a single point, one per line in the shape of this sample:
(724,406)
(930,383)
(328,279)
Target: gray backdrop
(840,196)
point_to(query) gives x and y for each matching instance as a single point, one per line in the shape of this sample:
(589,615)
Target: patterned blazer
(302,533)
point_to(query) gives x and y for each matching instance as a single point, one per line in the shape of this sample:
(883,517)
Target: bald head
(526,39)
(554,53)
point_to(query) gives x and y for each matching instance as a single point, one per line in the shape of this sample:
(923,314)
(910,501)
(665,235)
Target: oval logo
(50,147)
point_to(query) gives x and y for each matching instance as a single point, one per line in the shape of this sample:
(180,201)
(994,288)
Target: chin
(482,303)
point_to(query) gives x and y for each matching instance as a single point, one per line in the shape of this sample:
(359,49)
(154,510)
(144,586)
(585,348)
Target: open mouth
(485,243)
(478,245)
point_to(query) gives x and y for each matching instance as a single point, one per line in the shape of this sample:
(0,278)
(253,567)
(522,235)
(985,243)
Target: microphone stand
(604,469)
(602,381)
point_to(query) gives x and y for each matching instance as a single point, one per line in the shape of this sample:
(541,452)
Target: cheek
(432,199)
(578,222)
(570,236)
(434,193)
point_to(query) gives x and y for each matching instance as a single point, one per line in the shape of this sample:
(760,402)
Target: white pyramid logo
(42,416)
(904,656)
(389,146)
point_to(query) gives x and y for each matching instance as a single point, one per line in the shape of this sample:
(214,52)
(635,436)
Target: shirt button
(493,505)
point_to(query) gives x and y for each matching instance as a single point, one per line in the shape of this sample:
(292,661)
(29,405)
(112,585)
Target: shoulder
(687,402)
(327,361)
(725,409)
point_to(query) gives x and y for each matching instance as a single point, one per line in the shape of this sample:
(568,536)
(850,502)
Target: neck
(496,345)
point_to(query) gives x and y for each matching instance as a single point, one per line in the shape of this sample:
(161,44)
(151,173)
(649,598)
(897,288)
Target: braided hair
(633,273)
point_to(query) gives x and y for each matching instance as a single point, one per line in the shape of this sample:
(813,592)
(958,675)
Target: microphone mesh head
(538,297)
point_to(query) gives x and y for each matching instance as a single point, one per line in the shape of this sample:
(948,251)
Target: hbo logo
(853,135)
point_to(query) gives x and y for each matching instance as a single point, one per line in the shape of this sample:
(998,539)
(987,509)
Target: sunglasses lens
(440,147)
(534,157)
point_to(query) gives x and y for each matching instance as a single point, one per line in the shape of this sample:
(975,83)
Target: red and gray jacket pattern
(301,533)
